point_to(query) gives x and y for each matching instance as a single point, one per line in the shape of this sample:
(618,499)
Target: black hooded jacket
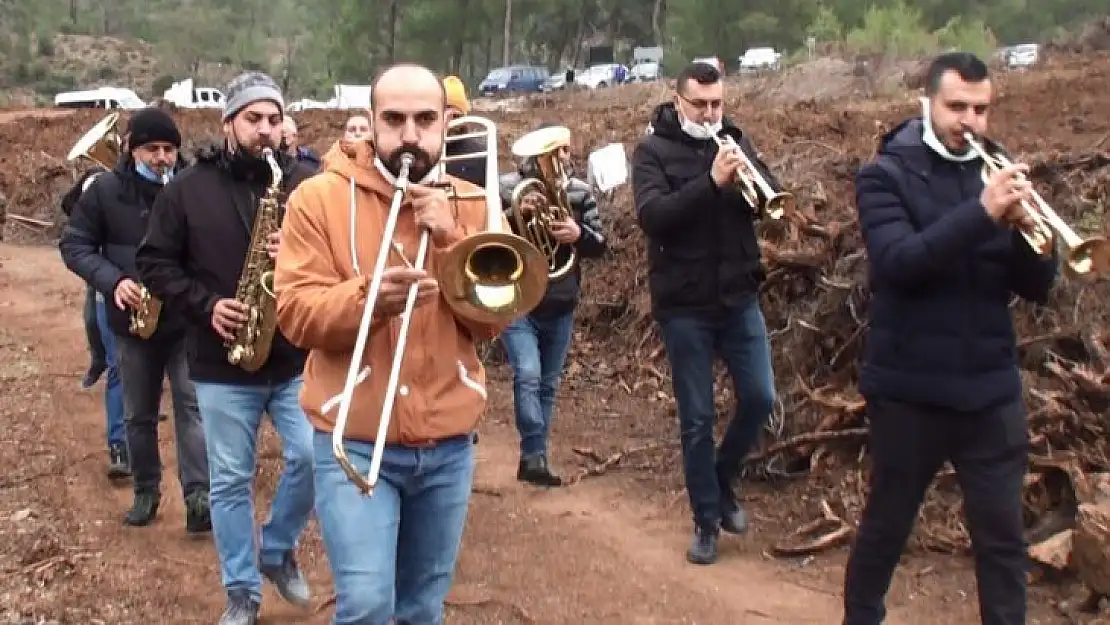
(562,294)
(942,273)
(107,221)
(194,252)
(703,256)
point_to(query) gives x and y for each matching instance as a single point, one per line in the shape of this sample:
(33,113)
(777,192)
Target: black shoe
(241,609)
(93,374)
(289,580)
(144,509)
(535,470)
(198,513)
(703,548)
(119,462)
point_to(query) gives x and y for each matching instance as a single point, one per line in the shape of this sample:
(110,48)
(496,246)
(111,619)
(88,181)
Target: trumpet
(488,276)
(1084,257)
(759,193)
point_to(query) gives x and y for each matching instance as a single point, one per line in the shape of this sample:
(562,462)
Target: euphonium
(255,290)
(1084,258)
(551,181)
(487,277)
(759,193)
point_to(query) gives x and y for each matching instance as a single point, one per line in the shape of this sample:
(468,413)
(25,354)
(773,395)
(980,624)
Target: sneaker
(241,609)
(119,461)
(143,511)
(289,581)
(198,513)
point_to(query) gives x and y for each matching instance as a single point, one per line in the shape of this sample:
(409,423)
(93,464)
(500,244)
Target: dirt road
(596,552)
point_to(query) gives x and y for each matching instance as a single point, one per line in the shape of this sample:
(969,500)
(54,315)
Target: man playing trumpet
(939,370)
(99,243)
(704,275)
(392,554)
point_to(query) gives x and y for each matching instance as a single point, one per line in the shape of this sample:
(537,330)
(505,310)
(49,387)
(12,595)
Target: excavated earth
(64,556)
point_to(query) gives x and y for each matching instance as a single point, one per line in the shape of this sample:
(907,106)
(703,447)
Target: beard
(252,148)
(422,162)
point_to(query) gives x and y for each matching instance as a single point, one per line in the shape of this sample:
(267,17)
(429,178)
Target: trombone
(1085,257)
(759,193)
(487,277)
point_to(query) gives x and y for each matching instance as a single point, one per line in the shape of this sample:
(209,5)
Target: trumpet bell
(101,144)
(492,277)
(1089,258)
(779,204)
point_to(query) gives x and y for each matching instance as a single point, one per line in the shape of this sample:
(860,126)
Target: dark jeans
(97,356)
(739,336)
(536,349)
(143,365)
(908,445)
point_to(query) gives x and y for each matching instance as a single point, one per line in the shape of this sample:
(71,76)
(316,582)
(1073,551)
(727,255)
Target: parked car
(515,78)
(644,72)
(759,60)
(602,75)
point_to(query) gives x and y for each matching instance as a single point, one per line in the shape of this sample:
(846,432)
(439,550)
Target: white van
(102,98)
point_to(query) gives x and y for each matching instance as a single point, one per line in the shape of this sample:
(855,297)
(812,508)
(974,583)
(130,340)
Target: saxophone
(144,319)
(251,347)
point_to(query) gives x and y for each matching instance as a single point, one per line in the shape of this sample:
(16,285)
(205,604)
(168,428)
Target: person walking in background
(291,145)
(536,344)
(105,228)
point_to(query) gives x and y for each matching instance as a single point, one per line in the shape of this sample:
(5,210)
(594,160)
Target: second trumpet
(756,189)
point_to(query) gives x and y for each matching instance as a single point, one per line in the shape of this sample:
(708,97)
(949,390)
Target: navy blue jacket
(941,276)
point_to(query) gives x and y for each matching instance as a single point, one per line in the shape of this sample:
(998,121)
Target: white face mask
(929,136)
(702,132)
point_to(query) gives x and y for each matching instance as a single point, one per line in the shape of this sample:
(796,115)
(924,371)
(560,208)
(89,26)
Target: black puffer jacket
(562,294)
(703,256)
(194,252)
(106,224)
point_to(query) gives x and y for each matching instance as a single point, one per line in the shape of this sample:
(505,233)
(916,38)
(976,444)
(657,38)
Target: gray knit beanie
(250,87)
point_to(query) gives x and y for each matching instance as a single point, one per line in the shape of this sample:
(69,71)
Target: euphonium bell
(551,181)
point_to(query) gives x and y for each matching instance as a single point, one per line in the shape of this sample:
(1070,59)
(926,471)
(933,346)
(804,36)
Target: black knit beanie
(153,124)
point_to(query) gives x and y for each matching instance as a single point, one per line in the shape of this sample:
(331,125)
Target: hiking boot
(703,548)
(198,513)
(288,580)
(535,470)
(241,609)
(144,509)
(733,518)
(119,461)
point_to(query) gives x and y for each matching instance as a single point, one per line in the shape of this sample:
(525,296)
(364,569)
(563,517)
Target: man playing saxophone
(392,554)
(537,343)
(105,227)
(200,235)
(940,370)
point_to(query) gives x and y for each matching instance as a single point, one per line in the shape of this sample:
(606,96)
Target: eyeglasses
(701,105)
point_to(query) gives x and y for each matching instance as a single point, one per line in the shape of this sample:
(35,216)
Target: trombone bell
(492,276)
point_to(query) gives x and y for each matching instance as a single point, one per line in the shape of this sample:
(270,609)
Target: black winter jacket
(941,274)
(703,256)
(106,224)
(194,252)
(562,294)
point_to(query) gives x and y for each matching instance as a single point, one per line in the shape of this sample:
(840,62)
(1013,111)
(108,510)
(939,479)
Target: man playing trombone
(939,370)
(704,275)
(392,548)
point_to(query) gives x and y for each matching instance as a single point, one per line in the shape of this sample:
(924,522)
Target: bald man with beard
(392,555)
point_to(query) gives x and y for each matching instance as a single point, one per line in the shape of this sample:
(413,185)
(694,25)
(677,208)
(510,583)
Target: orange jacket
(321,297)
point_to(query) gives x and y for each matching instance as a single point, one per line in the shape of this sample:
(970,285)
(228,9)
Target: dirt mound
(1053,117)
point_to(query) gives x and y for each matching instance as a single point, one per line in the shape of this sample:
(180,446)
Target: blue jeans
(392,554)
(739,336)
(231,415)
(536,349)
(113,390)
